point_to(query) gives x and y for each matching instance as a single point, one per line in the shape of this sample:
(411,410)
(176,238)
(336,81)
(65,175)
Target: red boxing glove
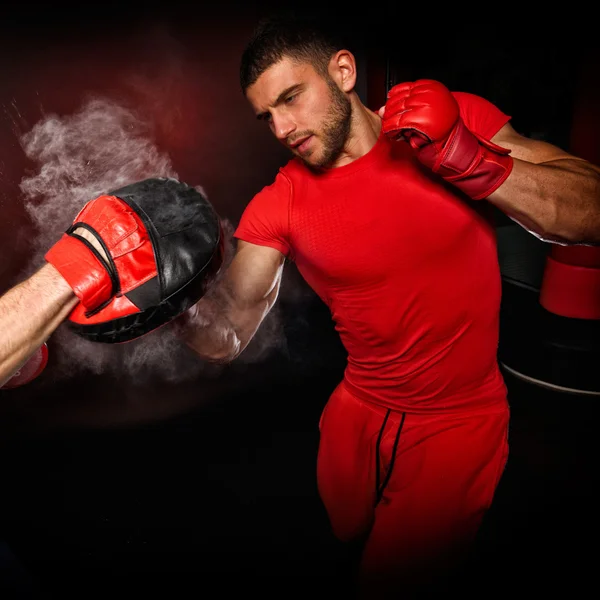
(30,370)
(426,114)
(122,235)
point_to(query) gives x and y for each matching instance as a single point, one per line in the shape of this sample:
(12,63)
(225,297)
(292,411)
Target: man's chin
(312,164)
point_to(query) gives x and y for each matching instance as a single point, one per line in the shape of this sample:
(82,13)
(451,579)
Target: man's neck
(364,133)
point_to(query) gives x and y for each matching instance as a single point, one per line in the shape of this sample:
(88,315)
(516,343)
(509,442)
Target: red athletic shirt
(406,265)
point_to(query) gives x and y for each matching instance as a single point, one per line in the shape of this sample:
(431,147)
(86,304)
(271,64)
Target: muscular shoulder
(265,220)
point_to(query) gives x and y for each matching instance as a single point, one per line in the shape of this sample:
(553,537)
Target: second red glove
(426,114)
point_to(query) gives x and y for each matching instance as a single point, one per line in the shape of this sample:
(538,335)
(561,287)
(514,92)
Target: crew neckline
(364,161)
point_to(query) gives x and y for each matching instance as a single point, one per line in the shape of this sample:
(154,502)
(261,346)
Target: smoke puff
(103,147)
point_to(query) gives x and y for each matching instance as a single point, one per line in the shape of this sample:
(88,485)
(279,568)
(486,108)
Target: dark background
(110,484)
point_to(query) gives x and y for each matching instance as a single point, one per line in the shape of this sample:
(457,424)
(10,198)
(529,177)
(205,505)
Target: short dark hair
(299,37)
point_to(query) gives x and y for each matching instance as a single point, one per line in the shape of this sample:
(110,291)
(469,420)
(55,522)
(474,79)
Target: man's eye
(291,98)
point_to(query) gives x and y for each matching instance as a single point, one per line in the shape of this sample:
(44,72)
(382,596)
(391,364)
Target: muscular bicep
(537,152)
(528,150)
(250,288)
(254,276)
(552,193)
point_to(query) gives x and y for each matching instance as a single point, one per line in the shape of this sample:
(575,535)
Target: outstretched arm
(32,310)
(222,323)
(549,191)
(29,314)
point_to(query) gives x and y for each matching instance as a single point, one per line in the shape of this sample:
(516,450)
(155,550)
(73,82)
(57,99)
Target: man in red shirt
(379,211)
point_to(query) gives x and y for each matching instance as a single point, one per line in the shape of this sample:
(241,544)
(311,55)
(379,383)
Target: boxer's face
(305,111)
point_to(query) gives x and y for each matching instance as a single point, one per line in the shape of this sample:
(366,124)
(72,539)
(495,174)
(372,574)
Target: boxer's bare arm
(549,191)
(29,314)
(222,323)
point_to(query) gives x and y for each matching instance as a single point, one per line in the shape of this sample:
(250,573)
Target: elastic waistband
(496,405)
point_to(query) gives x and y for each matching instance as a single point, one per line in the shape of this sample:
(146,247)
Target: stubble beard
(335,129)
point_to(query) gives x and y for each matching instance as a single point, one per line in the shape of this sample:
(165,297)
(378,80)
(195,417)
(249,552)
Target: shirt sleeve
(265,220)
(480,115)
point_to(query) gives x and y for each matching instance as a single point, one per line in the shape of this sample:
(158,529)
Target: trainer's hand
(92,239)
(113,254)
(426,115)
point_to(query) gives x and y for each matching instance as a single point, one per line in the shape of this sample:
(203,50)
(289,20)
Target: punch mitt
(162,246)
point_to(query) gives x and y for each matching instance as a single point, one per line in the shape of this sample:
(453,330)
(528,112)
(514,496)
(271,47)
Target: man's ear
(342,69)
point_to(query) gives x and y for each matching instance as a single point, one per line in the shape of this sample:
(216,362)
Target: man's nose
(282,127)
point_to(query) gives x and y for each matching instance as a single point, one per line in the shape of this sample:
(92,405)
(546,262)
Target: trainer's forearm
(559,200)
(29,314)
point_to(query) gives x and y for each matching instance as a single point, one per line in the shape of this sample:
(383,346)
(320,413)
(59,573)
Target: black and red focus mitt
(162,245)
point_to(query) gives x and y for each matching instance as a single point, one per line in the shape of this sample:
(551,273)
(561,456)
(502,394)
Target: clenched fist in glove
(426,114)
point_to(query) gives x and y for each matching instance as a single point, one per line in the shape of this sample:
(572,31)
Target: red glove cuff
(82,270)
(474,165)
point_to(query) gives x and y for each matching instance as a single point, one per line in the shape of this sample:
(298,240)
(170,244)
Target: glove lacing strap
(470,162)
(109,264)
(380,487)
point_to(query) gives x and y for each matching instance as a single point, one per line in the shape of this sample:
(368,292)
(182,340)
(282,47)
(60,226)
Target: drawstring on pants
(379,488)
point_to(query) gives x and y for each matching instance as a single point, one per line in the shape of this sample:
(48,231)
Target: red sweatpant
(417,507)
